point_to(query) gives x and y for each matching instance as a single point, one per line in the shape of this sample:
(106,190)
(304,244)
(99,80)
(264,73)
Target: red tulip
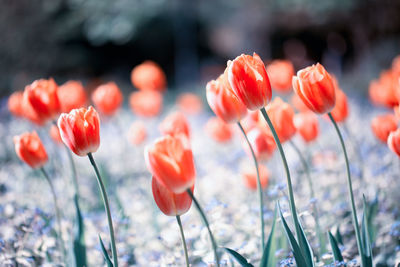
(382,125)
(223,102)
(29,113)
(146,103)
(341,110)
(394,141)
(137,133)
(107,98)
(30,149)
(307,125)
(55,134)
(190,103)
(175,124)
(80,130)
(281,115)
(218,130)
(170,203)
(170,160)
(15,104)
(262,143)
(385,90)
(315,88)
(396,110)
(250,177)
(249,81)
(251,120)
(148,76)
(280,73)
(71,95)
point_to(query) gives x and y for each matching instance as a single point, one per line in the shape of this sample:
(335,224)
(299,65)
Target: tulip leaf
(305,246)
(268,258)
(239,258)
(337,254)
(79,238)
(365,240)
(105,254)
(372,210)
(338,235)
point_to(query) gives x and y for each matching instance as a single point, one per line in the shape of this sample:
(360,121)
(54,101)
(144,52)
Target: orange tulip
(55,134)
(382,125)
(170,203)
(137,133)
(80,130)
(30,149)
(341,110)
(148,76)
(175,124)
(15,104)
(396,110)
(281,115)
(315,88)
(280,73)
(190,103)
(107,98)
(394,141)
(29,113)
(251,120)
(385,90)
(262,143)
(307,125)
(170,160)
(250,177)
(223,102)
(71,95)
(249,81)
(146,103)
(218,130)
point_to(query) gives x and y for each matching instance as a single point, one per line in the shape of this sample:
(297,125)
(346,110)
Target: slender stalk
(259,188)
(107,208)
(355,146)
(178,219)
(350,189)
(205,221)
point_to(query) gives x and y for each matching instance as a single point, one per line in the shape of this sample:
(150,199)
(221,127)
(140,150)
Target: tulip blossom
(15,104)
(223,102)
(170,160)
(170,203)
(280,73)
(307,125)
(249,81)
(315,87)
(30,149)
(55,134)
(382,125)
(262,143)
(189,103)
(396,110)
(148,76)
(29,113)
(341,110)
(385,90)
(137,133)
(107,98)
(80,130)
(71,95)
(146,103)
(281,115)
(394,141)
(251,120)
(175,124)
(218,130)
(250,177)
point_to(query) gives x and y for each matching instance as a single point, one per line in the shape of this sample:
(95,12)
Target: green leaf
(105,254)
(365,241)
(239,258)
(268,258)
(79,247)
(305,247)
(338,235)
(372,210)
(337,254)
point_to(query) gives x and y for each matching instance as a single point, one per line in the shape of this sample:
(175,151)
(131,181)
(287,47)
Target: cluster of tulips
(242,95)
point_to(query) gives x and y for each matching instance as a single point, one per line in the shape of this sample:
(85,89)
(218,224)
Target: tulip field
(266,165)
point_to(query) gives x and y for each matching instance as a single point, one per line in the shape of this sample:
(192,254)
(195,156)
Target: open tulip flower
(107,98)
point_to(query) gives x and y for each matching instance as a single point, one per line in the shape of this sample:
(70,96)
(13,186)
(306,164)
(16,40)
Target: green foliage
(337,254)
(239,258)
(105,254)
(268,258)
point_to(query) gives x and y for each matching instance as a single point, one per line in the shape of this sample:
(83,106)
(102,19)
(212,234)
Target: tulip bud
(71,95)
(307,125)
(281,115)
(280,73)
(30,149)
(148,76)
(107,98)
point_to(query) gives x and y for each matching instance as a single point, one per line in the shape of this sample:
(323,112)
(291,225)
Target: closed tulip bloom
(55,134)
(15,104)
(281,115)
(137,133)
(315,88)
(307,125)
(80,130)
(219,130)
(382,125)
(148,76)
(394,141)
(30,149)
(71,95)
(223,102)
(280,73)
(385,90)
(189,103)
(341,110)
(170,160)
(29,113)
(175,124)
(146,103)
(250,177)
(170,203)
(262,143)
(107,98)
(249,81)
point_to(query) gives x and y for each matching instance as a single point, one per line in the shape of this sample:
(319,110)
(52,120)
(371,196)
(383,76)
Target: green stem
(259,188)
(350,189)
(178,219)
(355,146)
(205,221)
(107,208)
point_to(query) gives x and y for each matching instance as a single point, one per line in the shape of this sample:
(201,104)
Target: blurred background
(192,40)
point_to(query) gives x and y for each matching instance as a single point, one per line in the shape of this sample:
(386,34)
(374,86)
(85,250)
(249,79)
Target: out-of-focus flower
(307,125)
(189,103)
(394,141)
(170,160)
(15,104)
(315,88)
(71,95)
(251,120)
(137,133)
(396,110)
(298,104)
(281,115)
(262,143)
(249,81)
(385,90)
(107,98)
(148,76)
(29,113)
(80,130)
(250,177)
(55,134)
(175,124)
(146,103)
(223,102)
(170,203)
(341,110)
(30,149)
(280,73)
(382,125)
(218,130)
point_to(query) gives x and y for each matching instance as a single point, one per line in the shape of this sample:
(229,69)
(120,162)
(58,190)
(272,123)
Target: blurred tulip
(175,124)
(396,65)
(281,115)
(29,113)
(249,81)
(148,76)
(394,141)
(190,103)
(307,125)
(218,130)
(251,120)
(146,103)
(170,160)
(170,203)
(298,104)
(71,95)
(262,143)
(385,90)
(250,177)
(223,102)
(382,125)
(15,104)
(396,110)
(315,88)
(137,133)
(55,134)
(30,149)
(80,130)
(341,110)
(107,98)
(280,73)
